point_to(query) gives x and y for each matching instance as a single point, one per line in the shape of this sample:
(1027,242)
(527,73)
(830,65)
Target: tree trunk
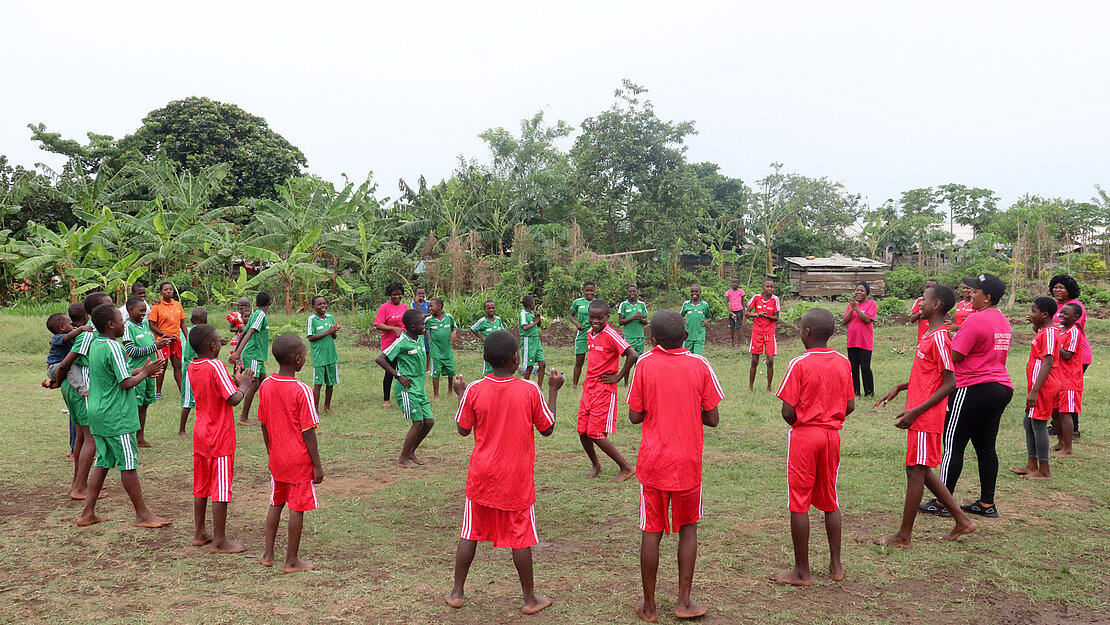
(288,298)
(72,287)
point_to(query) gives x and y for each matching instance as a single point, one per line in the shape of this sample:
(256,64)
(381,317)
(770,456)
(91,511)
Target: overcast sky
(882,96)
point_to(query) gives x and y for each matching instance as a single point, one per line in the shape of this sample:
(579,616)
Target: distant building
(834,275)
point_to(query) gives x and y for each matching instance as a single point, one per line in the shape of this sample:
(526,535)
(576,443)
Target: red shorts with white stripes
(1070,401)
(300,497)
(1047,399)
(513,529)
(923,448)
(812,466)
(597,412)
(212,477)
(685,508)
(763,344)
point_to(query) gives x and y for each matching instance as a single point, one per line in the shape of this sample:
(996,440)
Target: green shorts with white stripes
(531,351)
(327,375)
(187,400)
(119,451)
(414,406)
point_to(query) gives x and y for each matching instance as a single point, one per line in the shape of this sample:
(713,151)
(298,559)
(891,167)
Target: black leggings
(861,364)
(387,381)
(973,415)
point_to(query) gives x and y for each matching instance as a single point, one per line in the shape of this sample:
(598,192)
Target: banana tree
(297,264)
(59,252)
(112,278)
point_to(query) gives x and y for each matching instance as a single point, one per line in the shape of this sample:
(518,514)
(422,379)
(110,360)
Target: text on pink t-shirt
(860,333)
(984,340)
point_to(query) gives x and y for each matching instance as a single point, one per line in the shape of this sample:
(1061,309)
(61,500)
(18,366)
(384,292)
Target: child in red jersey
(763,309)
(817,396)
(501,410)
(213,435)
(1070,372)
(597,411)
(932,379)
(287,413)
(1043,388)
(674,394)
(918,315)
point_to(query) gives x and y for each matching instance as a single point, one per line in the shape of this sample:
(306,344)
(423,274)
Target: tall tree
(970,206)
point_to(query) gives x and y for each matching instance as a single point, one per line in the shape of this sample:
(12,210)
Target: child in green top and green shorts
(442,331)
(188,354)
(140,346)
(485,326)
(253,349)
(580,317)
(697,315)
(325,359)
(114,416)
(632,316)
(530,347)
(411,359)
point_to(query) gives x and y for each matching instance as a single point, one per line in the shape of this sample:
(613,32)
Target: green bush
(889,306)
(905,283)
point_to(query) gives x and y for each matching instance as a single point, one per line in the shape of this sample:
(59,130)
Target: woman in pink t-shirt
(983,390)
(1065,290)
(388,321)
(859,316)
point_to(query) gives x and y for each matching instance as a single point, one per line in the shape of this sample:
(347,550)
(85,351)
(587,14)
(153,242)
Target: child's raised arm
(243,381)
(892,393)
(554,383)
(148,370)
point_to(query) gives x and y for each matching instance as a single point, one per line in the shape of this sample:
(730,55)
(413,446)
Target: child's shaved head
(410,318)
(286,348)
(1046,305)
(92,300)
(102,314)
(201,336)
(499,348)
(198,317)
(54,322)
(944,294)
(668,329)
(820,323)
(132,302)
(600,305)
(77,312)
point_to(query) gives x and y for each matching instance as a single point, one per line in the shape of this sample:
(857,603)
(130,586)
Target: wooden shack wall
(833,281)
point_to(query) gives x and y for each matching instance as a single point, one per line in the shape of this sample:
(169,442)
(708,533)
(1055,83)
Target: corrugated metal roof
(836,260)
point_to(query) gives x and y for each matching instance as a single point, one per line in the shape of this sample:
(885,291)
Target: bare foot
(201,540)
(299,566)
(1063,454)
(80,495)
(794,577)
(624,475)
(593,472)
(227,546)
(385,404)
(182,433)
(540,603)
(145,444)
(69,456)
(1037,476)
(407,463)
(960,530)
(1021,470)
(266,560)
(894,540)
(690,610)
(645,614)
(84,521)
(1057,447)
(416,460)
(836,571)
(153,521)
(455,601)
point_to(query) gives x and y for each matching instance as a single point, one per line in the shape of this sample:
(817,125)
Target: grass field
(384,537)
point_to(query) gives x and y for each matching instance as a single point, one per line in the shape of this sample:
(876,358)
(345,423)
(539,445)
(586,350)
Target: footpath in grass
(384,537)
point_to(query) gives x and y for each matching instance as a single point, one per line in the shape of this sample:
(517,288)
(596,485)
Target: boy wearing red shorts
(932,379)
(597,410)
(287,413)
(501,410)
(1070,372)
(674,394)
(1043,389)
(817,396)
(763,309)
(214,394)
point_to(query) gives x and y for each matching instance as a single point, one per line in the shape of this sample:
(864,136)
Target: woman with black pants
(859,316)
(388,321)
(983,390)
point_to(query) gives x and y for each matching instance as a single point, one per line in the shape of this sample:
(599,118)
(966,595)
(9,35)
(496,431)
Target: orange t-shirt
(167,317)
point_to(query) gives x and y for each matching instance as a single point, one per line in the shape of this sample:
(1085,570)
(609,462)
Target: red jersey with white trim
(503,412)
(603,353)
(214,431)
(1070,372)
(933,358)
(286,408)
(672,388)
(922,324)
(818,384)
(963,310)
(771,306)
(1044,344)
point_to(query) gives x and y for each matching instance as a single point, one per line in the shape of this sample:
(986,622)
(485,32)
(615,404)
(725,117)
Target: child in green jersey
(485,326)
(580,318)
(632,316)
(407,351)
(140,346)
(114,416)
(697,315)
(442,332)
(530,347)
(188,354)
(325,360)
(253,350)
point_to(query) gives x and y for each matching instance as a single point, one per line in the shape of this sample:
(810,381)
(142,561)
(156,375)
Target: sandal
(978,508)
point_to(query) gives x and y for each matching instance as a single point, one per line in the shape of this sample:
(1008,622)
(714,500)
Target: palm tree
(296,264)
